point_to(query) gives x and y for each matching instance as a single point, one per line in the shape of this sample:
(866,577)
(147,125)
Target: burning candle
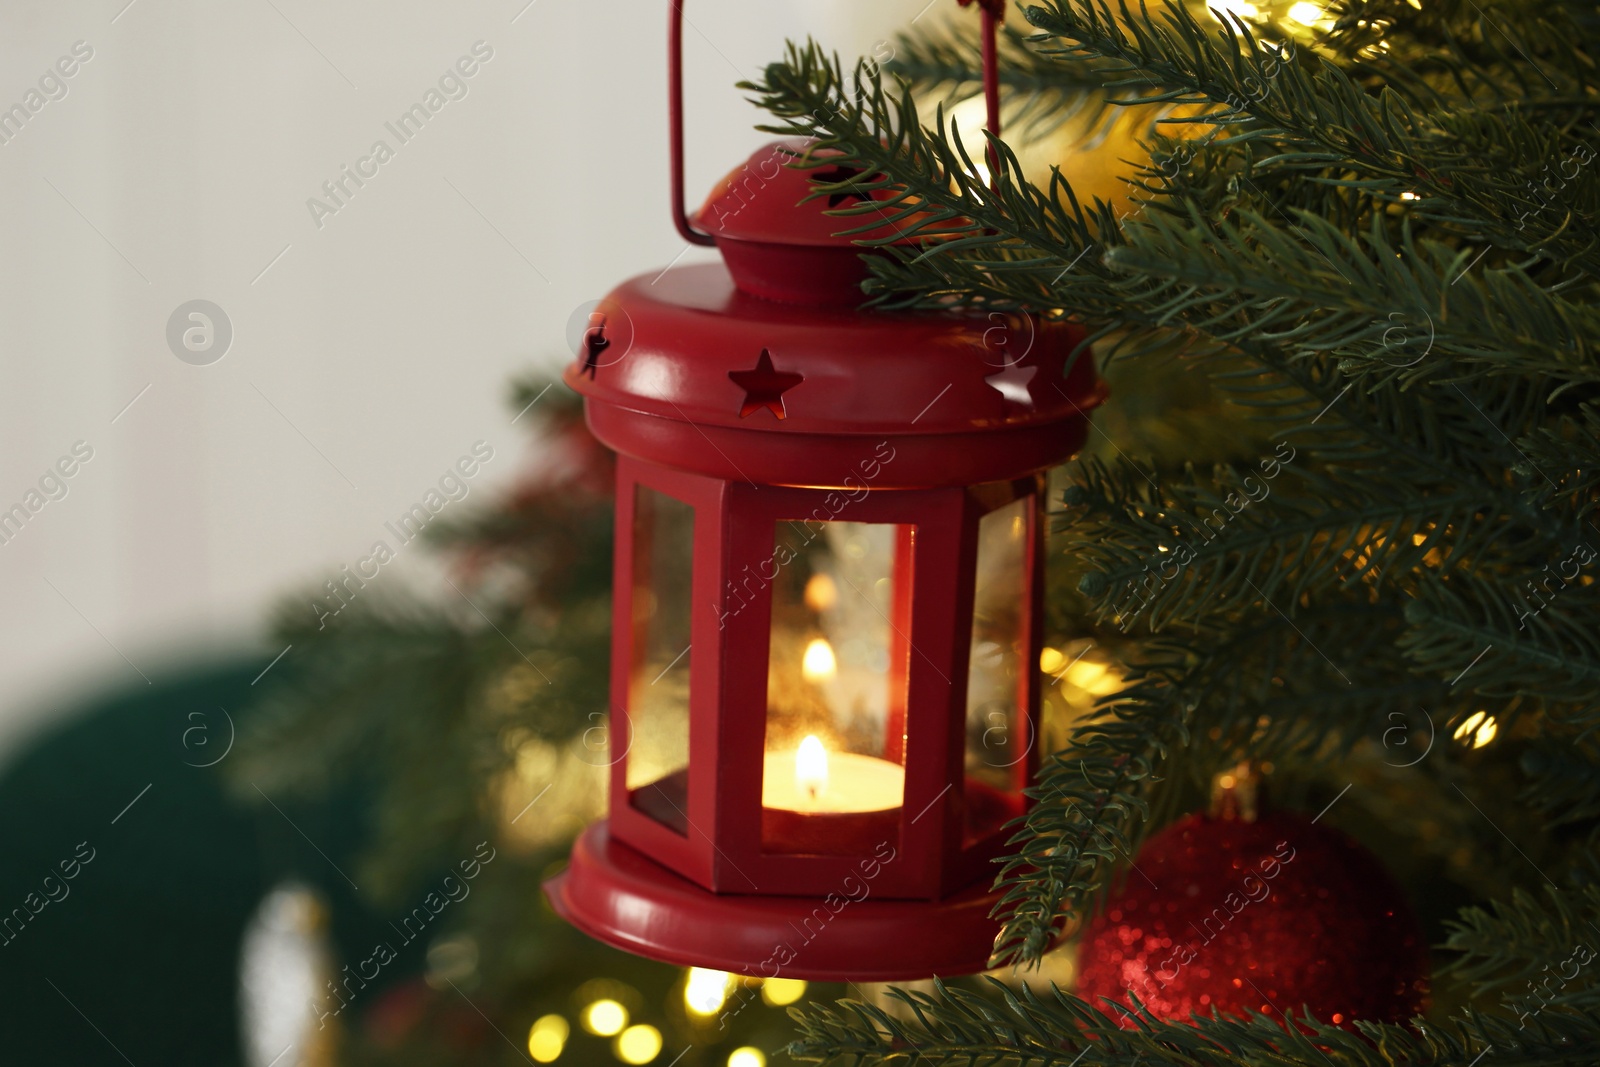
(811,768)
(813,780)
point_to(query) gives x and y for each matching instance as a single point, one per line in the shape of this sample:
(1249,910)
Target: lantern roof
(760,386)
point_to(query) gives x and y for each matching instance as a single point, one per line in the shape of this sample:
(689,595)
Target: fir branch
(1228,547)
(1563,780)
(1510,636)
(1089,800)
(1055,1029)
(1318,117)
(1520,946)
(1411,315)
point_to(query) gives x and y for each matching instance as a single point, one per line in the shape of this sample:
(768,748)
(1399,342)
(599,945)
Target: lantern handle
(680,217)
(993,12)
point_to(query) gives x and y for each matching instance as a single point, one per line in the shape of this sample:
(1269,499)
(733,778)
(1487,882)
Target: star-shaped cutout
(594,343)
(764,386)
(843,174)
(1012,383)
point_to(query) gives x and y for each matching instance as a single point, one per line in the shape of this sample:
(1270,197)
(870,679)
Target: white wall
(376,349)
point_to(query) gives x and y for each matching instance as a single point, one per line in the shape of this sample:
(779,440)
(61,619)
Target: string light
(547,1038)
(1306,13)
(781,991)
(1093,678)
(747,1057)
(637,1044)
(1478,729)
(706,991)
(1051,660)
(605,1018)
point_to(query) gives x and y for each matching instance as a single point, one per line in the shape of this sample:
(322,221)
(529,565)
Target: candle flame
(818,663)
(811,767)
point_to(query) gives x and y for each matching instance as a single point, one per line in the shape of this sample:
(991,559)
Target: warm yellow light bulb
(1305,13)
(1051,660)
(637,1044)
(706,991)
(747,1057)
(781,991)
(605,1018)
(547,1038)
(811,767)
(1485,733)
(818,663)
(1478,729)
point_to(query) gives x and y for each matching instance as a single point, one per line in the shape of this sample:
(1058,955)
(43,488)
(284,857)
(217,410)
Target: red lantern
(827,608)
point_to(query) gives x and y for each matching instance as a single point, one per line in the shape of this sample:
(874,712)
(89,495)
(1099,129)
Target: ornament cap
(1238,793)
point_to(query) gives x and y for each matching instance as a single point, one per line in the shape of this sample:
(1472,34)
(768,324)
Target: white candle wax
(851,783)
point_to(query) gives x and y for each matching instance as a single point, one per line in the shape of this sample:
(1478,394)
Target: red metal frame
(721,848)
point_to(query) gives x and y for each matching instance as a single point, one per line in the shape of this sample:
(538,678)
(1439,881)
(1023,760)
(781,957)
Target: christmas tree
(1337,519)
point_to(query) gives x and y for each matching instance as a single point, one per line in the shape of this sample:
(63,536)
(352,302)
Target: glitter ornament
(1231,915)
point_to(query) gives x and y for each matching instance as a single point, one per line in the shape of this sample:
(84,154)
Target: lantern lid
(691,370)
(779,244)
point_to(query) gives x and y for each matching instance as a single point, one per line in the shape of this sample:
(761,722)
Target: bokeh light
(547,1038)
(605,1018)
(637,1044)
(781,991)
(706,991)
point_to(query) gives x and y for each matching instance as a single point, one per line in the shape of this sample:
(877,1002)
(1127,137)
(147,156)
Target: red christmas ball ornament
(1272,915)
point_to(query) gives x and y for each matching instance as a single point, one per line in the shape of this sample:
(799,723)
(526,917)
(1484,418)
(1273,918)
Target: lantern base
(617,895)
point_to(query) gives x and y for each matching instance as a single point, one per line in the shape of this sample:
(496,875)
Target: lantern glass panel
(658,688)
(996,731)
(833,773)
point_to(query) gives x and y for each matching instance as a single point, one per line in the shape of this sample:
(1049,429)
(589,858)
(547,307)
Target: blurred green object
(137,957)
